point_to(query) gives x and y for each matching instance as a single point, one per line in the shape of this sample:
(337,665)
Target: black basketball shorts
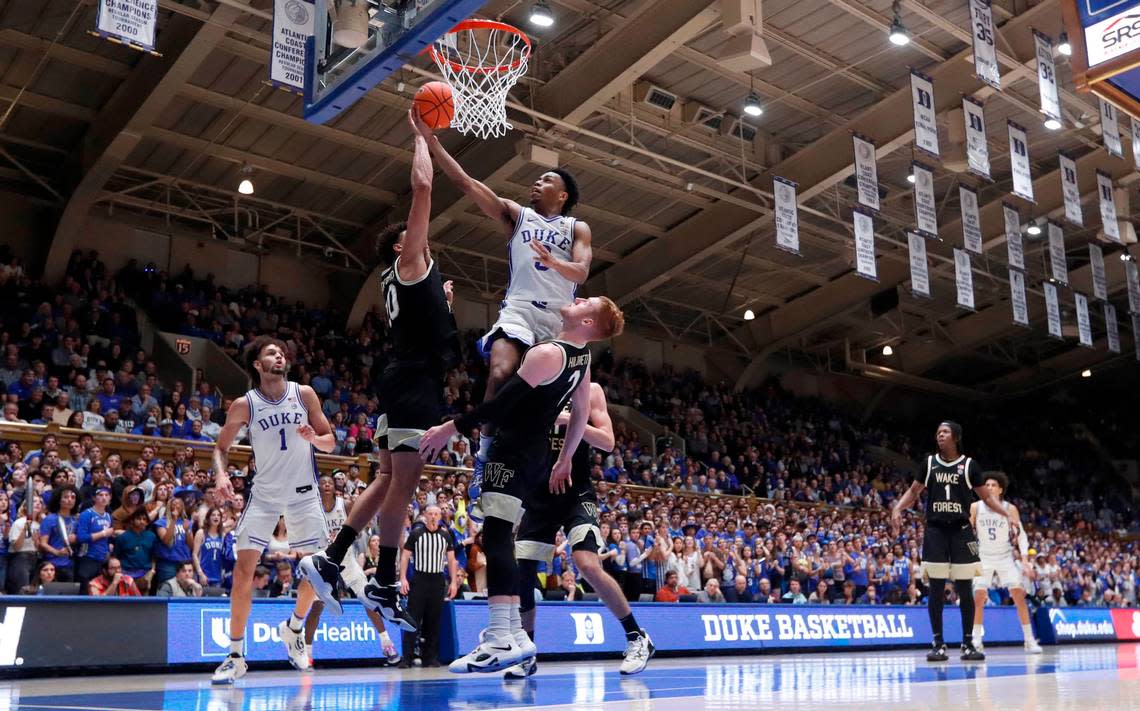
(950,551)
(411,396)
(576,512)
(508,478)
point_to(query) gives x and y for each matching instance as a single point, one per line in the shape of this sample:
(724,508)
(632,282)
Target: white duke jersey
(529,279)
(993,533)
(336,518)
(286,462)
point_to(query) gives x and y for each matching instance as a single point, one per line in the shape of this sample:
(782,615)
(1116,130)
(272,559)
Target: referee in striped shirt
(428,547)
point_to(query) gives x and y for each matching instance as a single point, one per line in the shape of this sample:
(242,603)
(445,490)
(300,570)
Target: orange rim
(483,25)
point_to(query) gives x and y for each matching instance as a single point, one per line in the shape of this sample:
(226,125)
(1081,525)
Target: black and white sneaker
(385,599)
(971,654)
(937,653)
(324,576)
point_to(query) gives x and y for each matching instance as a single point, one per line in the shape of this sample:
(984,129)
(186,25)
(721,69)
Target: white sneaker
(1032,647)
(522,670)
(978,644)
(230,670)
(492,654)
(295,647)
(638,652)
(526,644)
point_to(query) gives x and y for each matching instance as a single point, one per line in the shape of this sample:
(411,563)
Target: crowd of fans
(812,526)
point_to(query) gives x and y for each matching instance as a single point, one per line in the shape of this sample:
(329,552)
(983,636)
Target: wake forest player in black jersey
(524,410)
(576,512)
(949,548)
(424,345)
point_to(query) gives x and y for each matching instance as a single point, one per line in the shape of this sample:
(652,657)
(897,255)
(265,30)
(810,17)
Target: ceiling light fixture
(1052,124)
(898,34)
(1063,46)
(749,315)
(910,178)
(888,351)
(245,187)
(541,15)
(1086,373)
(752,105)
(1034,229)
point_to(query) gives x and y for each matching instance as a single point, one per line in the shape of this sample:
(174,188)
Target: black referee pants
(425,605)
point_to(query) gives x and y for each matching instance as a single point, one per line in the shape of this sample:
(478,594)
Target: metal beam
(47,104)
(874,19)
(69,55)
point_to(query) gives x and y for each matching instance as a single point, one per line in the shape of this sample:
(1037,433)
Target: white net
(481,61)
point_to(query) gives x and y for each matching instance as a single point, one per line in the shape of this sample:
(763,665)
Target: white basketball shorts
(1008,574)
(526,321)
(304,522)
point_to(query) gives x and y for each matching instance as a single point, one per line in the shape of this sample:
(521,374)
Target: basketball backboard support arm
(336,77)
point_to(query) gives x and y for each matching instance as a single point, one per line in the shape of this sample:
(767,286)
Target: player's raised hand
(449,291)
(896,521)
(542,254)
(418,126)
(307,432)
(224,489)
(1014,532)
(563,419)
(435,439)
(560,477)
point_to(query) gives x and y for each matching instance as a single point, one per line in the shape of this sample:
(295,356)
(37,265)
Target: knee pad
(500,551)
(528,583)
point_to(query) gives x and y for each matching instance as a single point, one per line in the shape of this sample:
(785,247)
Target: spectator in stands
(712,592)
(261,581)
(135,547)
(822,595)
(794,595)
(131,503)
(174,540)
(107,397)
(209,428)
(283,586)
(23,537)
(672,590)
(93,534)
(182,584)
(569,585)
(45,573)
(111,582)
(870,596)
(57,532)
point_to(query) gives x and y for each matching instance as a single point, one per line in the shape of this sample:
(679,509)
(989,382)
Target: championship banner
(1015,250)
(1099,280)
(977,149)
(787,219)
(964,279)
(1017,298)
(865,245)
(1112,327)
(1110,129)
(1107,206)
(1084,326)
(1135,140)
(1047,77)
(1053,309)
(925,204)
(925,122)
(971,220)
(129,22)
(919,269)
(985,54)
(292,26)
(1133,280)
(1070,191)
(1057,253)
(1019,162)
(866,172)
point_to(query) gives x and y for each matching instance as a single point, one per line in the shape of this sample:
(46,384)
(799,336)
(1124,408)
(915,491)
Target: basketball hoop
(481,60)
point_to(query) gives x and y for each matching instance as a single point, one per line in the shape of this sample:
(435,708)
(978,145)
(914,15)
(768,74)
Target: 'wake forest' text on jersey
(949,487)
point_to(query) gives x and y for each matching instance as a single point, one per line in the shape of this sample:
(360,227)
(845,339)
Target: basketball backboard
(398,30)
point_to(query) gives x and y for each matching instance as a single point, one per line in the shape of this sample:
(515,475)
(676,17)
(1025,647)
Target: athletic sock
(386,565)
(295,623)
(978,631)
(500,621)
(935,602)
(384,638)
(1027,632)
(236,646)
(516,619)
(484,447)
(338,549)
(965,589)
(629,624)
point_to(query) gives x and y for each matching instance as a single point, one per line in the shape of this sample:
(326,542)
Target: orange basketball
(434,104)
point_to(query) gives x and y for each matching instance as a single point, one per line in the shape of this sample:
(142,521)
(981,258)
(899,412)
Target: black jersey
(949,488)
(420,322)
(527,427)
(579,462)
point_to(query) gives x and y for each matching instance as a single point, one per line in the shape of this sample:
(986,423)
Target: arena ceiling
(681,215)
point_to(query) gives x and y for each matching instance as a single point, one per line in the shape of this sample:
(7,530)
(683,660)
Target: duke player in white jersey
(549,254)
(286,427)
(996,552)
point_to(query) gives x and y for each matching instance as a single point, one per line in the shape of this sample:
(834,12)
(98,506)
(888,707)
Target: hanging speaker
(350,29)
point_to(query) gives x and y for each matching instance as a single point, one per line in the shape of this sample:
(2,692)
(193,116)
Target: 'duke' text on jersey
(552,237)
(277,419)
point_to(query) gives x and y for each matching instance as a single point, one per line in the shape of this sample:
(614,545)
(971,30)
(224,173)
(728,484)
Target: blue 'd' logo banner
(1092,11)
(563,628)
(198,631)
(1056,625)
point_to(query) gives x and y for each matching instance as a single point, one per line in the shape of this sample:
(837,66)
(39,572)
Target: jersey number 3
(391,303)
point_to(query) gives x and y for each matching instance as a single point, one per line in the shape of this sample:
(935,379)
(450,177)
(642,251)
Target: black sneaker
(971,654)
(937,653)
(385,599)
(324,576)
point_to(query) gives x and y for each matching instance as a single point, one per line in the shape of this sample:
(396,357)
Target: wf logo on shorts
(588,628)
(10,630)
(496,475)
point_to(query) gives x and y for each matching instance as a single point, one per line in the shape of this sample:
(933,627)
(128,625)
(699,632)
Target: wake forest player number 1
(949,548)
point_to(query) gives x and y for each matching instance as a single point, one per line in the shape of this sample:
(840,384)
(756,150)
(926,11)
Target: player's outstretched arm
(905,502)
(317,431)
(413,258)
(236,416)
(599,428)
(579,412)
(500,209)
